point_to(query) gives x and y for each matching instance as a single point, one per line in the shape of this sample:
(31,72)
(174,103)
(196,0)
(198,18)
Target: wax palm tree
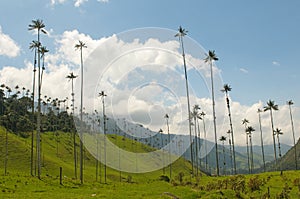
(80,46)
(43,51)
(194,115)
(181,33)
(103,95)
(39,26)
(278,132)
(290,103)
(71,77)
(169,141)
(249,131)
(270,107)
(261,139)
(211,57)
(202,115)
(223,139)
(229,141)
(199,137)
(226,89)
(245,122)
(34,45)
(162,145)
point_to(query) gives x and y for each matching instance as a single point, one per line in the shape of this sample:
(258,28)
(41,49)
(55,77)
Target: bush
(179,177)
(164,178)
(255,183)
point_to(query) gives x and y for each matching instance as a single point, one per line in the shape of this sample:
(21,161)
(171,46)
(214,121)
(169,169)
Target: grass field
(57,152)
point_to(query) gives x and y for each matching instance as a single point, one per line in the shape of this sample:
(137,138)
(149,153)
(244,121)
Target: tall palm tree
(231,160)
(39,26)
(261,139)
(245,122)
(160,131)
(223,139)
(290,103)
(181,33)
(194,115)
(103,95)
(249,131)
(226,89)
(199,137)
(278,132)
(211,57)
(270,107)
(169,141)
(202,115)
(43,51)
(71,77)
(34,45)
(80,46)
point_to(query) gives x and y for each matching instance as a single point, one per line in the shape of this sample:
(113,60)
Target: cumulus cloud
(144,80)
(8,47)
(77,3)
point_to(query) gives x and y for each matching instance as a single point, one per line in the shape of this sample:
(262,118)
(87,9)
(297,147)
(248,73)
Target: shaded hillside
(288,160)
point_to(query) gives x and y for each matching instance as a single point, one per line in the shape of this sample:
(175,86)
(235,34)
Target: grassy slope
(19,184)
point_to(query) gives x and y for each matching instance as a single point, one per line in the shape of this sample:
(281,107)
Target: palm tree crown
(80,45)
(181,32)
(271,105)
(37,24)
(226,88)
(211,56)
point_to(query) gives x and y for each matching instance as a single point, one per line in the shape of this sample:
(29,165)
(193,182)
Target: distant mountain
(288,160)
(180,145)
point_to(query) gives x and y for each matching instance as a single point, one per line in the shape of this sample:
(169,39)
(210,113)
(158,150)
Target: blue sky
(257,42)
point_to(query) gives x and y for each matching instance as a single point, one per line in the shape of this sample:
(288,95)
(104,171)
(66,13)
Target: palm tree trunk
(104,129)
(251,152)
(188,103)
(262,142)
(231,129)
(32,110)
(74,133)
(248,153)
(279,151)
(224,160)
(214,117)
(293,130)
(169,141)
(205,145)
(273,135)
(39,113)
(196,148)
(81,121)
(163,156)
(230,155)
(199,145)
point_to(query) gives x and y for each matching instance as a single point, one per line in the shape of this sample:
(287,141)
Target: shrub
(255,183)
(164,178)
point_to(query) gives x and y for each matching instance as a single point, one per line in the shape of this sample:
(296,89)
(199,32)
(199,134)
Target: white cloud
(276,63)
(8,47)
(243,70)
(77,3)
(142,84)
(53,2)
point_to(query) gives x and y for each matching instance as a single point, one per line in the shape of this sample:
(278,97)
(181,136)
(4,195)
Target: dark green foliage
(255,183)
(164,178)
(16,115)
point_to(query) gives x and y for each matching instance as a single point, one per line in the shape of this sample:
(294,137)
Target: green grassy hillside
(57,152)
